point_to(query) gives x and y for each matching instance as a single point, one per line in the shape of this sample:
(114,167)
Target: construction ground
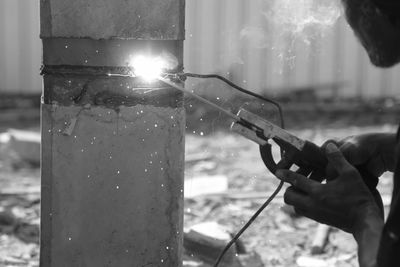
(225,183)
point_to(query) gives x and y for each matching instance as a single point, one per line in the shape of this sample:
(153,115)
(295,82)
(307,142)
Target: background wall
(20,46)
(235,38)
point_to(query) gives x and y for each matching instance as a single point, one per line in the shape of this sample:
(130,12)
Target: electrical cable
(244,228)
(277,190)
(241,89)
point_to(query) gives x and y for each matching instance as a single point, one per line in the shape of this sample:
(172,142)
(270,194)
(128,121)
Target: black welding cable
(244,228)
(241,89)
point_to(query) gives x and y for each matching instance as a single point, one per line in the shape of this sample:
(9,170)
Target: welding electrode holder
(309,157)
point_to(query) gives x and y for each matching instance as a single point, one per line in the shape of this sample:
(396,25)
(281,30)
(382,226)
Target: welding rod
(180,88)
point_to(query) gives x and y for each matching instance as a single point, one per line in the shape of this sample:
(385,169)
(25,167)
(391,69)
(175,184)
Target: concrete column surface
(113,187)
(121,19)
(112,147)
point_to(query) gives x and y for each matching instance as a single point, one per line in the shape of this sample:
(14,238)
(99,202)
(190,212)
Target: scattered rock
(320,239)
(252,259)
(206,240)
(7,218)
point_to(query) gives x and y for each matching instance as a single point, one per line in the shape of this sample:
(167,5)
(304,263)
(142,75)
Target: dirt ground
(280,239)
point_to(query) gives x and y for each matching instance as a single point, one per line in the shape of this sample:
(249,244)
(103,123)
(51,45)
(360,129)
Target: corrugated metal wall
(230,37)
(20,46)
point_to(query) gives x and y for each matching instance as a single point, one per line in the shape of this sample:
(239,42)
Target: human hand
(374,151)
(343,202)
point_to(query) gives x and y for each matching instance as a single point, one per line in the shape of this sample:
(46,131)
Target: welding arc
(241,89)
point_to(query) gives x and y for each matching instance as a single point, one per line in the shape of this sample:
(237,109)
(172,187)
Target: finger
(324,217)
(305,171)
(297,199)
(336,159)
(303,212)
(330,172)
(318,176)
(334,141)
(375,166)
(299,181)
(348,152)
(351,153)
(285,163)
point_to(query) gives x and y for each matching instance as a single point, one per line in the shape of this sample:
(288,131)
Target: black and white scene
(199,133)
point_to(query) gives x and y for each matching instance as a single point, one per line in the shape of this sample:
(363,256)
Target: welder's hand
(374,151)
(343,202)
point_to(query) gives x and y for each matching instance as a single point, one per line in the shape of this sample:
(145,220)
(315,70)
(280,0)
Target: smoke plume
(296,16)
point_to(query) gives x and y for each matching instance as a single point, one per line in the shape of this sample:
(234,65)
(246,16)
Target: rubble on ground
(276,238)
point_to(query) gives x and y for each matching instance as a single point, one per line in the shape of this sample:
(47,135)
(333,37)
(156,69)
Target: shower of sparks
(151,67)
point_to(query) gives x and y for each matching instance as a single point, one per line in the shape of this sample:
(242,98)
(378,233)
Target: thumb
(353,153)
(336,159)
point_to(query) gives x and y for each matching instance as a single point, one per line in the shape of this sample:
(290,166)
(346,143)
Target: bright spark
(149,68)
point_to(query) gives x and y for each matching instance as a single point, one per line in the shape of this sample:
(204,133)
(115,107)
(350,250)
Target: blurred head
(377,25)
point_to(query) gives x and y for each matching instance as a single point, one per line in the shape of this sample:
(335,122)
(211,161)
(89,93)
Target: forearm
(388,150)
(368,236)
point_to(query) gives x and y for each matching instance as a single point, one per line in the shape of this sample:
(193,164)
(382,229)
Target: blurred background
(246,41)
(301,53)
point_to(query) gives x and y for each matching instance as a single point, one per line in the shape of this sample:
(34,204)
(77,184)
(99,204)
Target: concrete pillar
(112,147)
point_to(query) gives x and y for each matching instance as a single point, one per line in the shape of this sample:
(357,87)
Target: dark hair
(391,8)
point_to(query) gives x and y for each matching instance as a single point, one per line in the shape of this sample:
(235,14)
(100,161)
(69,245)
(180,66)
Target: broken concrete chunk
(320,239)
(251,259)
(205,241)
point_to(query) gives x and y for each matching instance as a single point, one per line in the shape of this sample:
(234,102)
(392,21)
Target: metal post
(112,147)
